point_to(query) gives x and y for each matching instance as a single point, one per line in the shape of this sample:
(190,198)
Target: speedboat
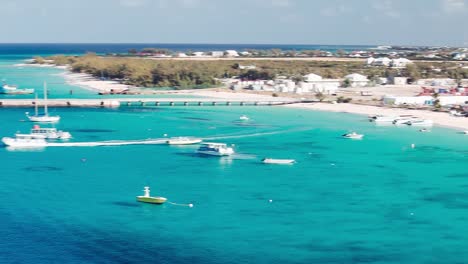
(424,130)
(183,141)
(420,122)
(353,135)
(147,198)
(244,118)
(465,132)
(403,120)
(49,133)
(278,161)
(45,117)
(215,149)
(24,141)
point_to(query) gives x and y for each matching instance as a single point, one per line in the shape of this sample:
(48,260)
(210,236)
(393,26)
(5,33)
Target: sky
(340,22)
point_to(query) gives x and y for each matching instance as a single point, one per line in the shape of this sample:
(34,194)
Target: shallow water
(345,201)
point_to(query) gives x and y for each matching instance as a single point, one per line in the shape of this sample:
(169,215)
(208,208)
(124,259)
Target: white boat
(215,149)
(49,133)
(244,118)
(24,141)
(183,141)
(420,122)
(42,118)
(465,132)
(382,119)
(147,198)
(11,89)
(353,135)
(278,161)
(424,130)
(403,121)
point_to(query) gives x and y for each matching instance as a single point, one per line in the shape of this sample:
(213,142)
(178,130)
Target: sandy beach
(439,118)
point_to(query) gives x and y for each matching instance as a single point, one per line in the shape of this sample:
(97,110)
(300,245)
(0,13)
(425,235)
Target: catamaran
(45,117)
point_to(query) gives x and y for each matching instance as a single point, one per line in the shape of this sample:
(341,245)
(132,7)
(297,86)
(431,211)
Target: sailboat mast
(45,99)
(36,107)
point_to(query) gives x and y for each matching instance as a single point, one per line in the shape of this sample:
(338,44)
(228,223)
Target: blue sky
(405,22)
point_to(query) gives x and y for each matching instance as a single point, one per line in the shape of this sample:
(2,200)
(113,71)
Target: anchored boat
(49,133)
(147,198)
(24,141)
(45,117)
(278,161)
(9,89)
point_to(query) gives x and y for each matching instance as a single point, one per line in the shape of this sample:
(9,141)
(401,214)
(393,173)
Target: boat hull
(214,153)
(25,143)
(44,119)
(279,161)
(152,200)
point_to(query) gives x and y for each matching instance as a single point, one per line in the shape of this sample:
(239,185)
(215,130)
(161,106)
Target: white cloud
(454,6)
(133,3)
(335,10)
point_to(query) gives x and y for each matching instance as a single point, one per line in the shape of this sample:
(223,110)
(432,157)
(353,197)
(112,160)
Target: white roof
(312,77)
(356,77)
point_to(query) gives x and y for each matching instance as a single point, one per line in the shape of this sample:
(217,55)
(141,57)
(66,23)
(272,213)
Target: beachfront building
(198,54)
(437,82)
(231,53)
(245,53)
(181,55)
(357,80)
(217,54)
(399,80)
(313,83)
(284,85)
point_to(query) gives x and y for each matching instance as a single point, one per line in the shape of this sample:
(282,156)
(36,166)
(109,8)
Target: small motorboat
(183,141)
(420,122)
(465,132)
(424,130)
(244,118)
(353,135)
(147,198)
(278,161)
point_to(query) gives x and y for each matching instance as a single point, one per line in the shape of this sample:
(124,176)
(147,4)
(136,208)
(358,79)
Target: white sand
(89,82)
(439,118)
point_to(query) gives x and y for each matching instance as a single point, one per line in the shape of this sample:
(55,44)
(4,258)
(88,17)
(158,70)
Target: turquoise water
(375,200)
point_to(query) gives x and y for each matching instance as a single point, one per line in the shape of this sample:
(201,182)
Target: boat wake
(108,143)
(255,134)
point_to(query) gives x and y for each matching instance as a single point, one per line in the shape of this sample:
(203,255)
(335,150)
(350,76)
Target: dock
(141,102)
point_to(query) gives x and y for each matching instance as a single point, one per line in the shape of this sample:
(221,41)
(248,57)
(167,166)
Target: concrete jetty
(118,102)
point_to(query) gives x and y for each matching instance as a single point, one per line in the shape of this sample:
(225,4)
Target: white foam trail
(256,134)
(108,143)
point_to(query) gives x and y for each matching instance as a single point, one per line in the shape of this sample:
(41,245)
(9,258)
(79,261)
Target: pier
(141,102)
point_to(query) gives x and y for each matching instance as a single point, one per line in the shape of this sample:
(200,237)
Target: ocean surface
(375,200)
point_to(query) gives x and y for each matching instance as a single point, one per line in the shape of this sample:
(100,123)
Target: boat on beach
(215,149)
(24,141)
(353,135)
(48,133)
(420,122)
(45,117)
(147,198)
(183,141)
(278,161)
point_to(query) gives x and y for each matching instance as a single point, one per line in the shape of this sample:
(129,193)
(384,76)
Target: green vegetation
(185,74)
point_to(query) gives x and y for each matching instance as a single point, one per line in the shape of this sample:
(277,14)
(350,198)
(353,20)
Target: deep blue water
(49,49)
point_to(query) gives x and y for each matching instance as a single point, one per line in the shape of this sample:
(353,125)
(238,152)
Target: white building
(245,53)
(314,83)
(383,61)
(217,54)
(181,55)
(400,62)
(231,53)
(198,54)
(460,56)
(357,80)
(284,85)
(400,80)
(247,67)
